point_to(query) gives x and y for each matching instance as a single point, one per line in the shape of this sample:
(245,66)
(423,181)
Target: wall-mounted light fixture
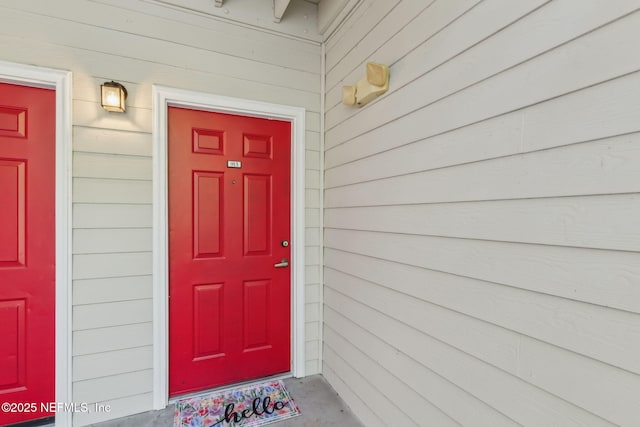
(114,96)
(374,84)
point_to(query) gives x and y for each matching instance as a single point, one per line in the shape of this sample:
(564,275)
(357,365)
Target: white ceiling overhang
(279,7)
(297,18)
(305,19)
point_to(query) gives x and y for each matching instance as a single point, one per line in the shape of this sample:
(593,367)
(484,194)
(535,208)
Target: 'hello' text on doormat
(249,406)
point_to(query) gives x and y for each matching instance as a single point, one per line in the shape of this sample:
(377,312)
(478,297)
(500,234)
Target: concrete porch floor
(319,403)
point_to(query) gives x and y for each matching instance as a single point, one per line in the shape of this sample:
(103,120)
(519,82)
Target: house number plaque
(234,164)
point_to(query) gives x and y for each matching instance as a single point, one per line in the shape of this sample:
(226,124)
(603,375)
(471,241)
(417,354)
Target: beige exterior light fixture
(368,88)
(113,97)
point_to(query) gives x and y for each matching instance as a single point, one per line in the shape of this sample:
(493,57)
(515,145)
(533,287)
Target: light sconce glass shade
(114,96)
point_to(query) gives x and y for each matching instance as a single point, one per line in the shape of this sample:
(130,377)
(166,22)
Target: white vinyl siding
(139,44)
(481,218)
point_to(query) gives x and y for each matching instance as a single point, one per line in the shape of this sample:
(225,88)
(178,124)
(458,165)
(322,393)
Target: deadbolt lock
(284,243)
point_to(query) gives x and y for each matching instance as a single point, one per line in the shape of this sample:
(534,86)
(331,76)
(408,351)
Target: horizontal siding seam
(142,393)
(356,43)
(107,228)
(128,396)
(124,372)
(345,317)
(333,288)
(627,193)
(329,89)
(414,297)
(109,153)
(114,203)
(114,302)
(145,322)
(493,34)
(111,130)
(447,131)
(118,301)
(482,240)
(117,253)
(167,64)
(484,362)
(113,253)
(503,113)
(506,285)
(114,228)
(76,177)
(326,365)
(497,73)
(80,282)
(366,380)
(211,17)
(388,371)
(88,204)
(470,162)
(93,379)
(118,350)
(389,37)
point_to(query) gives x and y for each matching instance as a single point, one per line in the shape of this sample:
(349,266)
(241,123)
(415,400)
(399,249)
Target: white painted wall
(112,189)
(482,262)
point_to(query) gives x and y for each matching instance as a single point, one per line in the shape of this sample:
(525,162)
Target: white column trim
(60,81)
(163,97)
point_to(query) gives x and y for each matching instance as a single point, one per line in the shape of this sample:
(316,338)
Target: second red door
(27,252)
(229,252)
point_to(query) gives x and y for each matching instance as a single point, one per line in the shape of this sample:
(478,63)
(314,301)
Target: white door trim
(60,81)
(163,97)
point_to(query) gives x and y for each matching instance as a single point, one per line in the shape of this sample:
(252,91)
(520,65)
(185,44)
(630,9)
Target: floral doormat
(249,406)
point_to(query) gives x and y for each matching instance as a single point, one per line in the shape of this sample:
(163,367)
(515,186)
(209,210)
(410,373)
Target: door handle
(282,264)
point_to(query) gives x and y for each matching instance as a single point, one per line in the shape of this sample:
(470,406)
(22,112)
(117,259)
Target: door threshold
(204,393)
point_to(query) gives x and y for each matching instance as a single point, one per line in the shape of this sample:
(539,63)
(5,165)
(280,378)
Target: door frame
(163,97)
(60,81)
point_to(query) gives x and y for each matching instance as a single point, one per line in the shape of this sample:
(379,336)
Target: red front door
(229,230)
(27,251)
